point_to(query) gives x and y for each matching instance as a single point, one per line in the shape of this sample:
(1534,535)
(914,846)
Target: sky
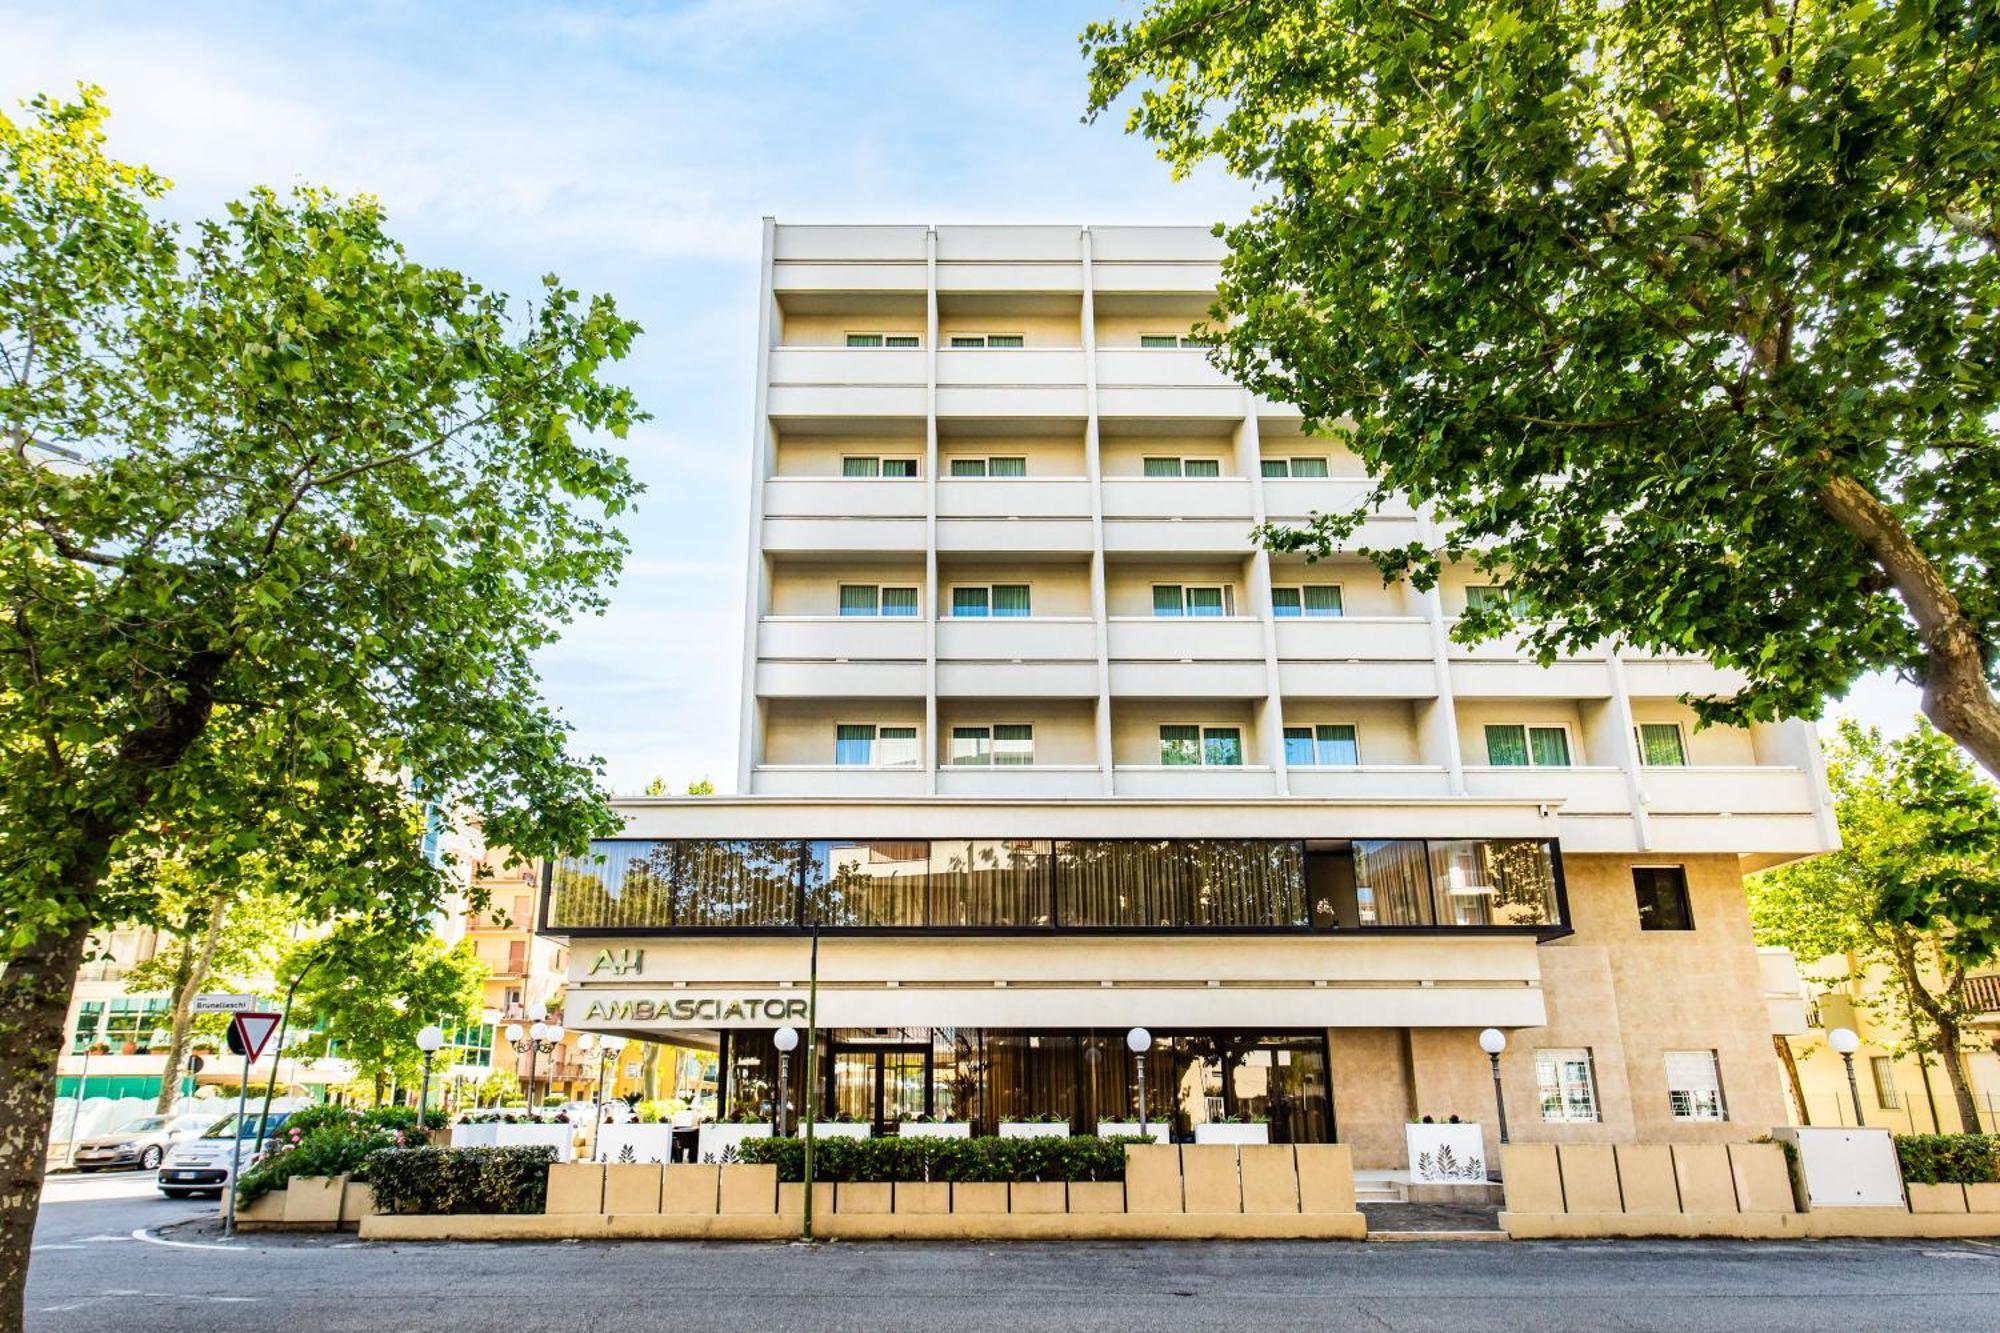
(633,148)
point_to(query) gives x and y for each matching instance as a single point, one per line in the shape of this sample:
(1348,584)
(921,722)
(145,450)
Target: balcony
(1011,382)
(1982,995)
(1581,791)
(845,381)
(1031,657)
(1177,516)
(808,657)
(1193,780)
(1292,501)
(1726,790)
(835,780)
(1499,669)
(1013,514)
(860,514)
(1028,782)
(1648,677)
(1370,782)
(1345,657)
(1181,657)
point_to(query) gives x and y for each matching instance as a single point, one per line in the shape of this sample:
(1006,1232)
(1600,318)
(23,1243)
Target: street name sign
(225,1004)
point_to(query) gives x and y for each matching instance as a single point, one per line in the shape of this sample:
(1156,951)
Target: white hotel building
(1047,750)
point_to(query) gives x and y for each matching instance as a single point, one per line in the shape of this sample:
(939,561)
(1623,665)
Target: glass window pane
(1337,745)
(1309,467)
(1563,1081)
(1166,599)
(899,467)
(864,340)
(1180,745)
(1323,600)
(967,340)
(1662,898)
(968,467)
(899,601)
(1201,467)
(860,467)
(1182,882)
(1276,467)
(903,340)
(1660,745)
(853,743)
(1163,467)
(1014,743)
(1158,340)
(1222,745)
(1550,746)
(1006,467)
(1481,595)
(1204,601)
(857,599)
(1285,602)
(1299,747)
(971,745)
(1005,340)
(1694,1086)
(899,747)
(998,882)
(1010,599)
(1507,747)
(969,601)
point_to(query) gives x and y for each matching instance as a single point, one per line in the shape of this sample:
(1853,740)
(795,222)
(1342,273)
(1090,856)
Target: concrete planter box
(313,1199)
(1226,1132)
(357,1200)
(925,1198)
(1936,1198)
(1097,1196)
(474,1136)
(631,1187)
(1119,1129)
(713,1138)
(872,1197)
(559,1137)
(1983,1198)
(1038,1196)
(836,1129)
(985,1196)
(265,1208)
(749,1189)
(1027,1129)
(912,1130)
(792,1199)
(1446,1154)
(649,1143)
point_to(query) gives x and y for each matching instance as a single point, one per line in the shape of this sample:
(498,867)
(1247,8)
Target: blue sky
(632,148)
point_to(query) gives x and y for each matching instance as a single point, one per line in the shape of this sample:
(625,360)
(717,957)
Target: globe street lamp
(539,1039)
(1844,1041)
(429,1038)
(607,1052)
(1493,1041)
(786,1039)
(1139,1041)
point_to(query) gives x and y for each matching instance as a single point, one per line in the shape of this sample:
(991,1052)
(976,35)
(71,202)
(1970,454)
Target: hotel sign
(698,1008)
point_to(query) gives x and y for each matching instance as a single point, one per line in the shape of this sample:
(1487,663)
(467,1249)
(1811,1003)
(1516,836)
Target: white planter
(1224,1131)
(649,1143)
(1847,1168)
(838,1129)
(912,1130)
(712,1139)
(1446,1154)
(1032,1130)
(474,1136)
(1159,1130)
(560,1137)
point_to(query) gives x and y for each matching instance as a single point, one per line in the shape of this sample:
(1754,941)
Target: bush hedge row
(1949,1159)
(461,1180)
(921,1159)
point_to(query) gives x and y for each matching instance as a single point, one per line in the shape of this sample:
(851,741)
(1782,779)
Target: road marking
(140,1233)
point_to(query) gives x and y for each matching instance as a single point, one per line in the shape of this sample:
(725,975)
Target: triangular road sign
(253,1031)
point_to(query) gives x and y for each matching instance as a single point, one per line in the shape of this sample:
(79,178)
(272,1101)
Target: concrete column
(1093,468)
(757,573)
(929,740)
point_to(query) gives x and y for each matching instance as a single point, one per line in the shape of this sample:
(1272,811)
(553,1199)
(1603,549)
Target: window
(1661,746)
(1295,467)
(1175,599)
(866,599)
(1562,1078)
(1161,341)
(1662,892)
(1512,745)
(874,465)
(88,1015)
(884,340)
(998,599)
(470,1045)
(1479,596)
(988,340)
(1002,745)
(1330,745)
(1182,467)
(1315,599)
(989,467)
(1883,1069)
(1694,1086)
(1213,747)
(865,745)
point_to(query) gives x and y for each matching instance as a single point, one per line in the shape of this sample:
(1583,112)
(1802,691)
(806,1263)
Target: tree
(1910,894)
(659,786)
(1679,315)
(373,990)
(284,518)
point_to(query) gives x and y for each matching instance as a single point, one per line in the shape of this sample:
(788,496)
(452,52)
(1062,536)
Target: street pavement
(90,1273)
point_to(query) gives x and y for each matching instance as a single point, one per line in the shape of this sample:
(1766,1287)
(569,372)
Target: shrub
(461,1180)
(1949,1159)
(921,1159)
(309,1118)
(330,1150)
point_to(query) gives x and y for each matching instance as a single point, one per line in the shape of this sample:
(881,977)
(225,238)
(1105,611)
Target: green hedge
(331,1150)
(461,1180)
(925,1158)
(1949,1159)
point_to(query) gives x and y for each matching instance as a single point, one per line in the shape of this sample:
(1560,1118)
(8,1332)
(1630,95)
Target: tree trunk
(1957,698)
(1783,1046)
(34,1002)
(1951,1056)
(189,977)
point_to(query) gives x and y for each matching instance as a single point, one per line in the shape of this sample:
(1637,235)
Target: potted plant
(717,1140)
(1158,1128)
(1048,1125)
(1243,1127)
(843,1127)
(1447,1152)
(922,1126)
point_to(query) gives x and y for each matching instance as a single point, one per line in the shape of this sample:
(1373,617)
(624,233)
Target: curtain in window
(1158,340)
(1660,745)
(1014,743)
(1010,599)
(1336,745)
(619,882)
(969,601)
(1163,467)
(878,883)
(903,340)
(1007,467)
(1481,595)
(1308,467)
(1550,746)
(1204,601)
(1395,877)
(899,746)
(857,599)
(1180,745)
(970,746)
(899,467)
(1275,467)
(1201,467)
(968,467)
(1285,602)
(899,601)
(942,883)
(1005,340)
(1214,882)
(1506,747)
(1299,747)
(1694,1088)
(860,467)
(1166,599)
(853,743)
(740,882)
(1323,600)
(864,340)
(1222,746)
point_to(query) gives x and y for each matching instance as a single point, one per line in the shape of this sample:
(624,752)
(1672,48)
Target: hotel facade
(1042,748)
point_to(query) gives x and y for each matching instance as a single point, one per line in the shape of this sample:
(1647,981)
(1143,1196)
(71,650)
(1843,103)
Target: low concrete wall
(310,1203)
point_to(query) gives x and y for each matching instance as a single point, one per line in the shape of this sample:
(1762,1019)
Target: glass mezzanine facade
(1030,884)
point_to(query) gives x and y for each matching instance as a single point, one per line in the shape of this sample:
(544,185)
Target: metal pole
(1854,1090)
(784,1091)
(597,1127)
(76,1107)
(278,1047)
(812,1076)
(1142,1096)
(534,1049)
(423,1098)
(236,1146)
(1499,1102)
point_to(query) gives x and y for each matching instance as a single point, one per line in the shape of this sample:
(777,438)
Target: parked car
(206,1165)
(581,1113)
(143,1143)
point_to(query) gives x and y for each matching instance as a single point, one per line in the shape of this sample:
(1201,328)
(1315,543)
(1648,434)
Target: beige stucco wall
(1053,589)
(800,731)
(1372,1093)
(1065,732)
(1385,730)
(1135,725)
(1474,715)
(817,330)
(821,455)
(799,588)
(1125,456)
(1046,455)
(1128,585)
(1037,329)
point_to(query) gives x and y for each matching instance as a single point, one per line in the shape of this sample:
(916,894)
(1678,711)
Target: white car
(206,1165)
(581,1113)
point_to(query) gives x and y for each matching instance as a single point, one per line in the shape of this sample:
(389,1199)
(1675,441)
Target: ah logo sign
(618,962)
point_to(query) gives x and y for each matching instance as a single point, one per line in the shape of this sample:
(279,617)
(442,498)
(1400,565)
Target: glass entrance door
(881,1084)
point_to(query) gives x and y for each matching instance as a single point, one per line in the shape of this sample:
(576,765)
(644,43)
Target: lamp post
(786,1039)
(1139,1041)
(1493,1041)
(429,1038)
(538,1040)
(1844,1041)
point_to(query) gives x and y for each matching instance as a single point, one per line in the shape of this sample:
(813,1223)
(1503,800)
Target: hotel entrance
(881,1085)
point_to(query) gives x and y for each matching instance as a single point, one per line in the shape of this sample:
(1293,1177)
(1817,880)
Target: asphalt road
(89,1273)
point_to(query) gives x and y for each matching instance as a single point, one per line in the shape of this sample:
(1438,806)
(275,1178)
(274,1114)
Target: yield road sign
(225,1004)
(253,1031)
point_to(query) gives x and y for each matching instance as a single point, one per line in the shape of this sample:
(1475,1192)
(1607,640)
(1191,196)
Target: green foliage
(925,1158)
(374,990)
(461,1180)
(309,1118)
(1949,1159)
(331,1148)
(1679,316)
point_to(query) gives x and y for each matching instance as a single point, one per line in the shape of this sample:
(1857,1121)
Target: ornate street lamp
(786,1039)
(1844,1041)
(1493,1041)
(1139,1041)
(538,1040)
(429,1038)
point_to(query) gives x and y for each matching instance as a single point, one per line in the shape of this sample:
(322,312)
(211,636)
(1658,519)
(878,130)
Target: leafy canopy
(1683,315)
(367,992)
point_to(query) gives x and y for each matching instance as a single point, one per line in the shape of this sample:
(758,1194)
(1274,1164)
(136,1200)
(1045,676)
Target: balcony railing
(1982,993)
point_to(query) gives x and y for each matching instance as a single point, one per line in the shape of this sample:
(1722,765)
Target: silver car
(143,1143)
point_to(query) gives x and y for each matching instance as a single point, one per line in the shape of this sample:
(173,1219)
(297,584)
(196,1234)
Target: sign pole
(236,1151)
(812,1076)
